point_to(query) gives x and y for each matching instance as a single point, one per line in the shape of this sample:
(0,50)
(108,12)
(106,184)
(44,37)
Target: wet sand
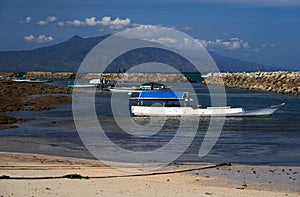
(206,182)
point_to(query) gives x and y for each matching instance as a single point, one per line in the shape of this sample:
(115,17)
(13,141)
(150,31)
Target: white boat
(95,81)
(206,75)
(123,87)
(82,86)
(150,86)
(30,80)
(167,104)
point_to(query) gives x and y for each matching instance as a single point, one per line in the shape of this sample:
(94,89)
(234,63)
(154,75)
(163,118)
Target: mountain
(68,55)
(65,56)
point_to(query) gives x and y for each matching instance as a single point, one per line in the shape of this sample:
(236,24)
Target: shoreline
(212,182)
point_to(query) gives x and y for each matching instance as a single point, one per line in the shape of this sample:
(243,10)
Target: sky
(262,31)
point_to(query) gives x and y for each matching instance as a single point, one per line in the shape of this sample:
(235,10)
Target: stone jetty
(134,77)
(276,82)
(140,77)
(9,74)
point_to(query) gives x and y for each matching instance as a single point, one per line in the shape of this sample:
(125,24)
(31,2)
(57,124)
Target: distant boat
(206,75)
(149,86)
(168,104)
(83,86)
(30,80)
(93,83)
(123,87)
(153,86)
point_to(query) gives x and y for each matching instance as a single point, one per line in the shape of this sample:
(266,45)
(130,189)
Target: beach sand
(235,180)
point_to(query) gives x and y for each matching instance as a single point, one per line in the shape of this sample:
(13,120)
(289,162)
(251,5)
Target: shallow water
(269,141)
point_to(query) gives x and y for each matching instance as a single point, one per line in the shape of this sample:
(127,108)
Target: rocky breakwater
(16,96)
(9,74)
(54,75)
(140,77)
(276,82)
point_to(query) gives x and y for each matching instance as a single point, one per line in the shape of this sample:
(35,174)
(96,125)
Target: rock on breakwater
(276,82)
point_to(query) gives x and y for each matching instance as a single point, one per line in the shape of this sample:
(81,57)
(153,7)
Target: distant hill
(65,56)
(68,55)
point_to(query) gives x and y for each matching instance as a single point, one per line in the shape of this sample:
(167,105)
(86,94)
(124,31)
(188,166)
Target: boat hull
(201,112)
(122,90)
(83,86)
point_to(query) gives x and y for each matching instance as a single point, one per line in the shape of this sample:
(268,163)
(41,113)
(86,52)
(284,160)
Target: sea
(268,141)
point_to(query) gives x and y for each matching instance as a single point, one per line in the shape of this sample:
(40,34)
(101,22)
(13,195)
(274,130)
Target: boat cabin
(158,99)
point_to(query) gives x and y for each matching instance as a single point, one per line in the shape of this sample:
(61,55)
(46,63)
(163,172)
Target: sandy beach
(41,175)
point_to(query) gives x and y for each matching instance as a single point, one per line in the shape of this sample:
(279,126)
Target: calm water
(269,141)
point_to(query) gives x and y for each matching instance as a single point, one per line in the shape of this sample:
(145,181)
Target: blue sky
(263,31)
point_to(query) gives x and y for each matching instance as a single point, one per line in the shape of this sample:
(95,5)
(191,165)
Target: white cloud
(93,21)
(75,22)
(165,40)
(26,20)
(106,20)
(29,38)
(71,23)
(42,22)
(51,18)
(48,20)
(119,21)
(38,39)
(231,44)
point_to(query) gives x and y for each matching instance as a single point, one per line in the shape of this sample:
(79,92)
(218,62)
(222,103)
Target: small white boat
(95,81)
(30,80)
(167,104)
(150,86)
(82,86)
(123,87)
(206,75)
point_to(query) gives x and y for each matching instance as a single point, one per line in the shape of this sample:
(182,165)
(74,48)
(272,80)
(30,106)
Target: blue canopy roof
(162,95)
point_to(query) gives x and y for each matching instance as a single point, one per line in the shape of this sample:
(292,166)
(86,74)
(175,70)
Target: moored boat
(123,87)
(178,104)
(30,80)
(82,86)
